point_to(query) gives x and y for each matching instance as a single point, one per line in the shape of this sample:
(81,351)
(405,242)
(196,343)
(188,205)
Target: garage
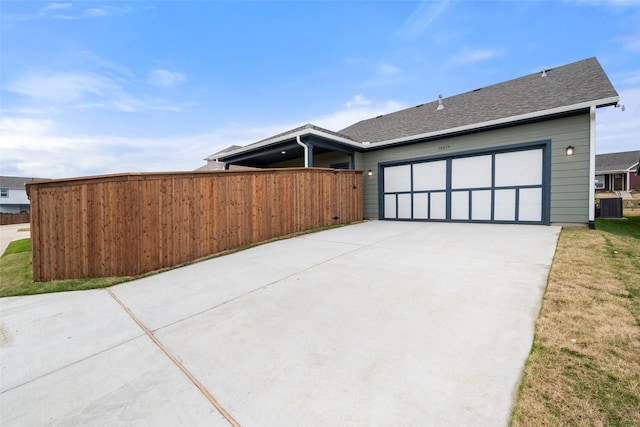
(505,185)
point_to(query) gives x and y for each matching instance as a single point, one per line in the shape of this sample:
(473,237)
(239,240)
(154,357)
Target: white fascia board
(504,120)
(610,171)
(293,135)
(632,168)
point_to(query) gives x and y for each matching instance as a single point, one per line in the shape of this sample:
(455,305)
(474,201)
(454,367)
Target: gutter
(552,111)
(306,150)
(295,135)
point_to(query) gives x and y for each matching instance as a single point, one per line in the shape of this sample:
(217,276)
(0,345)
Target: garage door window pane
(404,206)
(390,206)
(519,168)
(481,205)
(460,205)
(530,204)
(505,205)
(397,178)
(430,176)
(471,172)
(438,207)
(420,206)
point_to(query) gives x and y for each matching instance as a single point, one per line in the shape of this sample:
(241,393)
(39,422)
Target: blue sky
(92,88)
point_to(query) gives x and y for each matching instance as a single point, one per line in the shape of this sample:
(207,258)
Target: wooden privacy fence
(128,224)
(7,218)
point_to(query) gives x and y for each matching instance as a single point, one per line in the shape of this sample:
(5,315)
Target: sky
(90,88)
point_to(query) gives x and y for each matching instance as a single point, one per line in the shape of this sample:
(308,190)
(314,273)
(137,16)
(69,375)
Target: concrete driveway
(374,324)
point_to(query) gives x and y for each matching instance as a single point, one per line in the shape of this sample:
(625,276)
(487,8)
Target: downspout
(592,168)
(306,151)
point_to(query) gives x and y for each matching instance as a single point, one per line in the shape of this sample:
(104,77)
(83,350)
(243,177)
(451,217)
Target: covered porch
(306,146)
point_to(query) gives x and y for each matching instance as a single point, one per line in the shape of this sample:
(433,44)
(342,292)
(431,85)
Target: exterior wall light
(370,173)
(570,150)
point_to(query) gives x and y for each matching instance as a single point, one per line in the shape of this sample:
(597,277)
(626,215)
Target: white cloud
(471,56)
(109,68)
(62,87)
(53,156)
(420,20)
(56,6)
(32,148)
(85,90)
(631,43)
(95,12)
(360,108)
(612,3)
(357,100)
(66,11)
(24,125)
(166,78)
(618,130)
(388,70)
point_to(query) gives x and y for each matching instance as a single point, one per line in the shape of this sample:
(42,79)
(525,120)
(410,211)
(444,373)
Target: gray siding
(569,175)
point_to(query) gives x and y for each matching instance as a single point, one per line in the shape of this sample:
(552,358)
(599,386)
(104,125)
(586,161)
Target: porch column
(309,162)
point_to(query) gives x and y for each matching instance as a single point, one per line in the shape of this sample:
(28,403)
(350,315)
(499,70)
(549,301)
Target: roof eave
(287,137)
(606,102)
(631,168)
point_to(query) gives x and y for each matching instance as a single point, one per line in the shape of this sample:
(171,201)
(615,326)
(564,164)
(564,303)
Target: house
(618,171)
(212,161)
(13,196)
(521,151)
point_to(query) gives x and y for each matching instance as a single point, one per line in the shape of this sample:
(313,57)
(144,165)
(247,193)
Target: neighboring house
(13,196)
(618,171)
(521,151)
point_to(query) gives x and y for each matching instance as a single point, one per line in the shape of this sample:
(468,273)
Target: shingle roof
(16,181)
(307,126)
(576,83)
(221,152)
(612,162)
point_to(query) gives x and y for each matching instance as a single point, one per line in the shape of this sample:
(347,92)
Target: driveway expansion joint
(176,362)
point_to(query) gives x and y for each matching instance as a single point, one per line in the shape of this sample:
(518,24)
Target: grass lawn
(584,366)
(16,275)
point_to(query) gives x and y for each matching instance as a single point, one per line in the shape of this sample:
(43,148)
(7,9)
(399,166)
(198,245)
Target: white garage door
(494,187)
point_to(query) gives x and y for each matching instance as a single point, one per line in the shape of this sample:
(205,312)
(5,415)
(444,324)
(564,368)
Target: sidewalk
(9,233)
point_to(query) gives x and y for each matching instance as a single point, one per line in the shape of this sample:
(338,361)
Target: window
(599,182)
(4,192)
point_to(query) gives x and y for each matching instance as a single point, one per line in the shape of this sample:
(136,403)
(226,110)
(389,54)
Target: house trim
(592,167)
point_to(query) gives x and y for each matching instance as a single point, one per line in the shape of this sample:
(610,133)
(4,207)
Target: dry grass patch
(584,367)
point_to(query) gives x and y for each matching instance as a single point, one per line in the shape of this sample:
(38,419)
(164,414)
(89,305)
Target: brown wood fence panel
(8,219)
(128,224)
